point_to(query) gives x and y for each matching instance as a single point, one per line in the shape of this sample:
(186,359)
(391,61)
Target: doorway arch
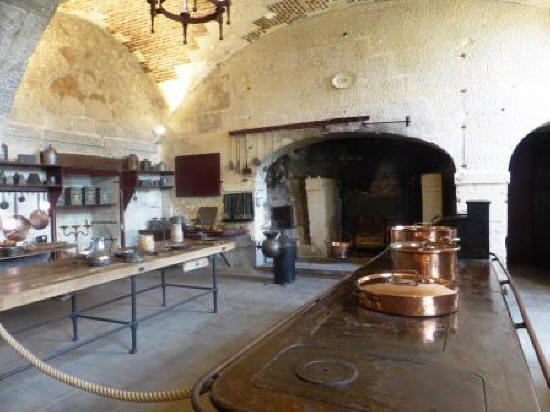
(529,200)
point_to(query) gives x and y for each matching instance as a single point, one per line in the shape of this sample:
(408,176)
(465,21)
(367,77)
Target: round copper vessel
(430,259)
(406,294)
(422,233)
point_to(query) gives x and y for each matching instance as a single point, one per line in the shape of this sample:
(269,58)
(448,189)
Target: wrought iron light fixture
(186,18)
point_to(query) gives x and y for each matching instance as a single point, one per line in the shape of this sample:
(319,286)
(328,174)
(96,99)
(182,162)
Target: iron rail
(76,313)
(526,323)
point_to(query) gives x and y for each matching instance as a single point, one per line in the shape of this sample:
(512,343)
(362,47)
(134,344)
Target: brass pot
(429,259)
(406,294)
(131,162)
(422,233)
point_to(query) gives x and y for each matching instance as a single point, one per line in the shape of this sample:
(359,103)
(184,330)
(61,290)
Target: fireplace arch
(375,179)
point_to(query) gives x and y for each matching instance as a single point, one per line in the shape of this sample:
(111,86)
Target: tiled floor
(534,286)
(175,348)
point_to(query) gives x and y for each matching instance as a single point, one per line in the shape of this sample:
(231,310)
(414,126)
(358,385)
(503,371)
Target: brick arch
(21,26)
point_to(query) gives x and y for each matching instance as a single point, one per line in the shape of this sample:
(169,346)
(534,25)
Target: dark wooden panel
(198,175)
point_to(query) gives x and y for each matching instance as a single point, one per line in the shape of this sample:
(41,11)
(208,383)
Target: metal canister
(145,165)
(89,195)
(73,196)
(131,162)
(428,259)
(49,156)
(103,196)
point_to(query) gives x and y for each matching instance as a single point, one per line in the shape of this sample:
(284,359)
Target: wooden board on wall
(198,175)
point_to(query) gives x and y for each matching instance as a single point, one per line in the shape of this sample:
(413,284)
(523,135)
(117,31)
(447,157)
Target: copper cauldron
(422,233)
(430,259)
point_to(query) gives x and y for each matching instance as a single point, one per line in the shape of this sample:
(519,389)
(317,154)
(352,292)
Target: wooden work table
(26,284)
(23,285)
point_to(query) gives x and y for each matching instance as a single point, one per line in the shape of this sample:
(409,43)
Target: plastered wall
(472,74)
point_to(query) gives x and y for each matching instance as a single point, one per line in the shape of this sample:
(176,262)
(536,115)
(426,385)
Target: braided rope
(105,391)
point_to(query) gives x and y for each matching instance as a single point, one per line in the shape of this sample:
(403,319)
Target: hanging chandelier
(186,18)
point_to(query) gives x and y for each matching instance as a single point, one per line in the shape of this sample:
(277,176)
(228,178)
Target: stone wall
(83,92)
(470,73)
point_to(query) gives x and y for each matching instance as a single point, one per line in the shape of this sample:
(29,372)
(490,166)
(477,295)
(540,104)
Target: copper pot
(16,227)
(407,294)
(338,250)
(421,233)
(429,259)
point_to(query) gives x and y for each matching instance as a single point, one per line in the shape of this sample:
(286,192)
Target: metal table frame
(77,313)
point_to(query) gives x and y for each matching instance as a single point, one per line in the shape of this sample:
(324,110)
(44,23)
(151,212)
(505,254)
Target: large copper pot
(422,233)
(429,259)
(401,293)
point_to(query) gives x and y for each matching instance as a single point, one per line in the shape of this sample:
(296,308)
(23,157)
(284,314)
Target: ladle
(238,166)
(256,161)
(4,205)
(231,164)
(21,197)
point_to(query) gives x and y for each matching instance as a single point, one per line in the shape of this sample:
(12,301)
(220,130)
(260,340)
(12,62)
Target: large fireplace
(354,189)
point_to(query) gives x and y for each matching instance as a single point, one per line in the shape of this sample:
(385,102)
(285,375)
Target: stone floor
(174,350)
(534,287)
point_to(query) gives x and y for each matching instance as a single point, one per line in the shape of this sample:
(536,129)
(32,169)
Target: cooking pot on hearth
(429,259)
(421,233)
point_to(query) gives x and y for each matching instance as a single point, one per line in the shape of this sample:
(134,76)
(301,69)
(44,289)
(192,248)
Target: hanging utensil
(238,167)
(4,205)
(21,197)
(16,228)
(39,219)
(246,171)
(256,161)
(231,164)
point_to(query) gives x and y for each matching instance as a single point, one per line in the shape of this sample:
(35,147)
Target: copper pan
(421,233)
(429,259)
(407,294)
(16,227)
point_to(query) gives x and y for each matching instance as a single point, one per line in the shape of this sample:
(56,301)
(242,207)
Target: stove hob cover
(370,382)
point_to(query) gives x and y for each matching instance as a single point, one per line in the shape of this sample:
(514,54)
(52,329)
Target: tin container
(89,195)
(73,196)
(428,259)
(103,196)
(49,156)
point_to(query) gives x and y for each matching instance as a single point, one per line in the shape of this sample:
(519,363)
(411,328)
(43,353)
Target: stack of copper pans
(423,281)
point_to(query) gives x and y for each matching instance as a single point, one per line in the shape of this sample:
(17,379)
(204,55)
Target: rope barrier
(105,391)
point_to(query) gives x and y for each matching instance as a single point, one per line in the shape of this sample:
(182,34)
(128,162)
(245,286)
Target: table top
(335,355)
(26,284)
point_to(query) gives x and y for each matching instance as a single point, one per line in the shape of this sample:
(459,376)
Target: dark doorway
(529,201)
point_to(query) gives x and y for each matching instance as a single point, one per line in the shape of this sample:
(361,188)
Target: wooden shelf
(75,207)
(29,188)
(155,173)
(154,187)
(9,164)
(75,171)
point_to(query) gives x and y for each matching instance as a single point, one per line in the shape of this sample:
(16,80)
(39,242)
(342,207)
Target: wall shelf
(155,187)
(10,164)
(77,207)
(28,188)
(155,173)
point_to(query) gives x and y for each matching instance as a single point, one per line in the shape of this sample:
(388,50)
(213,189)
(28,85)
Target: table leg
(134,323)
(214,284)
(74,317)
(163,284)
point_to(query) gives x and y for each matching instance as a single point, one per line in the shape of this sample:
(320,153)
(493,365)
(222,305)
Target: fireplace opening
(354,189)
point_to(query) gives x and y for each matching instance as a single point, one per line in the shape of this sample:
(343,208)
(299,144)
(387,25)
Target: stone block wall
(82,92)
(470,73)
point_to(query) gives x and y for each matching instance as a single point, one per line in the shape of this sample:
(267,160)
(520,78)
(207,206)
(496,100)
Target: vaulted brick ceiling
(165,57)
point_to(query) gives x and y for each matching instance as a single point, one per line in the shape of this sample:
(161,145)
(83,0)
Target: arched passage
(529,200)
(366,182)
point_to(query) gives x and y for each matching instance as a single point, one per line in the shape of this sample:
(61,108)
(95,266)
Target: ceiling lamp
(186,18)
